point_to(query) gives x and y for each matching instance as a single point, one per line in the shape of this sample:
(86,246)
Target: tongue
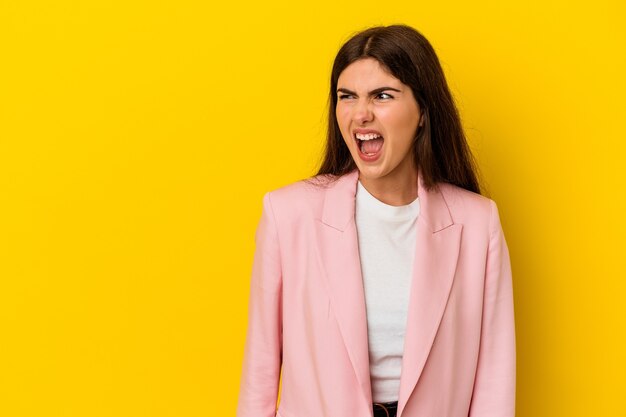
(372,145)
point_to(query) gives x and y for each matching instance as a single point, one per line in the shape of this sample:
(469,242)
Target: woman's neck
(395,189)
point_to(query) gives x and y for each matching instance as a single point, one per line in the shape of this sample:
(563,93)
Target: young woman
(382,285)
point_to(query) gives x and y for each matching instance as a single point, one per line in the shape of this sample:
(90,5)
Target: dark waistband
(389,409)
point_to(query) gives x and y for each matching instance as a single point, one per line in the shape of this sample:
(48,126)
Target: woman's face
(373,102)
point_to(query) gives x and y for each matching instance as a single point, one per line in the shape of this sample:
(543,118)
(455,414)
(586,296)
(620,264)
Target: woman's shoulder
(467,206)
(301,197)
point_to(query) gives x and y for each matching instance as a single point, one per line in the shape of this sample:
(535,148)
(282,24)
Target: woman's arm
(263,349)
(494,385)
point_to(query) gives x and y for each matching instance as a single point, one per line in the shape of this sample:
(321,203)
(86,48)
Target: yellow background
(138,138)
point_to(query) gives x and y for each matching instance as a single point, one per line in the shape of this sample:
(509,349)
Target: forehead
(366,73)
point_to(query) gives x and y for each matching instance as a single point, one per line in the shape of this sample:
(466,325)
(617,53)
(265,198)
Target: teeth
(367,136)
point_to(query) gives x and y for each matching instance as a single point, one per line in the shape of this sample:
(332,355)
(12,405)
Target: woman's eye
(384,96)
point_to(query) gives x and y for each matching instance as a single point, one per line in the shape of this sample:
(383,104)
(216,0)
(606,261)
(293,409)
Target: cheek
(343,122)
(406,124)
(342,115)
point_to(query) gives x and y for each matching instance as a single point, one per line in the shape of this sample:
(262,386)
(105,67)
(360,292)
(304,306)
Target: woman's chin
(370,172)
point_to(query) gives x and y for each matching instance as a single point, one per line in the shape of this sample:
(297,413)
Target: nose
(362,112)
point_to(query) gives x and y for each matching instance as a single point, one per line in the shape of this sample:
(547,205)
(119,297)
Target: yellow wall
(137,140)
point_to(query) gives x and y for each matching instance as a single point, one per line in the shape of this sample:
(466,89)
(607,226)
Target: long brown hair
(440,149)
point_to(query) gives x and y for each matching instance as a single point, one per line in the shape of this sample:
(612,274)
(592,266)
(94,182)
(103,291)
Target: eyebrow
(375,91)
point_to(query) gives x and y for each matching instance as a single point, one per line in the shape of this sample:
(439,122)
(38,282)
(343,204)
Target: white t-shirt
(386,236)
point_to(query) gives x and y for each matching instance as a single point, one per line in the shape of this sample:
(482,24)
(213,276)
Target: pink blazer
(307,309)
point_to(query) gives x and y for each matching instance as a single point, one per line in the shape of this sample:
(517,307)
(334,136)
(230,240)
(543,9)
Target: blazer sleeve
(262,359)
(494,384)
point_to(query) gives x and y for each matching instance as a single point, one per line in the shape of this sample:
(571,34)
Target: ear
(421,122)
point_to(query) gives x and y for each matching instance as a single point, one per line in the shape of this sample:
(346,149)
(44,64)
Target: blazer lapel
(338,248)
(436,254)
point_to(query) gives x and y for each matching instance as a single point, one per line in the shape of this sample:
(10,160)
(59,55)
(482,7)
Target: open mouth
(370,145)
